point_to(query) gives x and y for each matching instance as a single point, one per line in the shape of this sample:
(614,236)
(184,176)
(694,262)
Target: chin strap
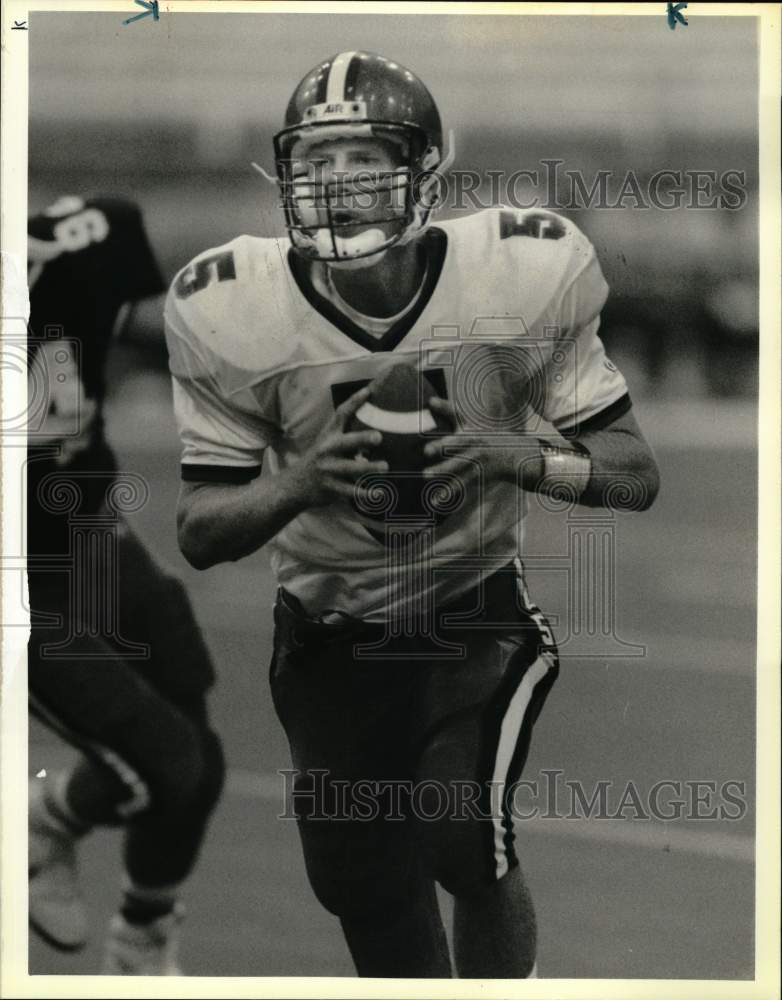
(450,156)
(266,176)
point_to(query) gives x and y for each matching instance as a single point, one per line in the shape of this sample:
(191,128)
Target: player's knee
(191,777)
(176,782)
(358,897)
(463,878)
(464,883)
(195,777)
(357,884)
(457,855)
(334,893)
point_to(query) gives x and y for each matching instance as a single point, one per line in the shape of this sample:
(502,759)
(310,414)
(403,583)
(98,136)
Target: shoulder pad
(551,231)
(537,260)
(226,308)
(552,249)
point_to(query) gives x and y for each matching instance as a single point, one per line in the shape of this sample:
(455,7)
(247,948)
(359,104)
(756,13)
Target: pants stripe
(514,722)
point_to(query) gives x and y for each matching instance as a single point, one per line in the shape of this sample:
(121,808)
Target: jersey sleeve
(223,438)
(584,390)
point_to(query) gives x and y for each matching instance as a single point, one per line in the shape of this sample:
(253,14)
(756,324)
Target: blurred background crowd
(172,113)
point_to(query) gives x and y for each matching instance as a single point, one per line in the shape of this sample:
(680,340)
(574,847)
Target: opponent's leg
(162,844)
(152,762)
(161,848)
(146,761)
(155,609)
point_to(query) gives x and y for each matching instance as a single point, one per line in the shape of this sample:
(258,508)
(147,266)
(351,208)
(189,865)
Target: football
(397,407)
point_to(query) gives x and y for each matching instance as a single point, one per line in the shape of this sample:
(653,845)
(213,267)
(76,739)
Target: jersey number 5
(540,225)
(199,275)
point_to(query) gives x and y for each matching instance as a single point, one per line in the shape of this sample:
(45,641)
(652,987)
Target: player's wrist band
(566,471)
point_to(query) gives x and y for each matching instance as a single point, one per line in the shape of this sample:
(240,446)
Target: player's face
(355,181)
(346,157)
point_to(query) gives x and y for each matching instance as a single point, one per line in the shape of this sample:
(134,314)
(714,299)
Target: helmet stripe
(335,89)
(351,77)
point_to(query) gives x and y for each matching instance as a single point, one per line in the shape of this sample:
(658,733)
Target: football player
(117,664)
(419,665)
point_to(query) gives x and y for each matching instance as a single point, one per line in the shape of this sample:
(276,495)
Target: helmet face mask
(353,212)
(358,212)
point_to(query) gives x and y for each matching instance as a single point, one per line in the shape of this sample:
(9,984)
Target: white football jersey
(506,326)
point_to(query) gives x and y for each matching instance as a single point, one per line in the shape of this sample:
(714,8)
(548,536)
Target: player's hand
(485,458)
(332,466)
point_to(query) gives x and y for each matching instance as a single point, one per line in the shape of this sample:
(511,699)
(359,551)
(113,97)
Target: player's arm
(141,323)
(622,465)
(226,509)
(222,522)
(604,460)
(608,467)
(612,466)
(601,458)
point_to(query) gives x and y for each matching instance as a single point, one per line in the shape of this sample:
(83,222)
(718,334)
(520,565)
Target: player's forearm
(222,523)
(623,473)
(141,323)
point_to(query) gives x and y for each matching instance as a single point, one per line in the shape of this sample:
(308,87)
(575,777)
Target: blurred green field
(615,899)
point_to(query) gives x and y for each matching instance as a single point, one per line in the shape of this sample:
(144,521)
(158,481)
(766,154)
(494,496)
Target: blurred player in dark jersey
(117,664)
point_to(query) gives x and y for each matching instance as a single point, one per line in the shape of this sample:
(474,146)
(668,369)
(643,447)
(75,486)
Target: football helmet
(358,217)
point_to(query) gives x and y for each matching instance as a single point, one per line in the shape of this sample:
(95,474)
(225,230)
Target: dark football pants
(150,759)
(404,768)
